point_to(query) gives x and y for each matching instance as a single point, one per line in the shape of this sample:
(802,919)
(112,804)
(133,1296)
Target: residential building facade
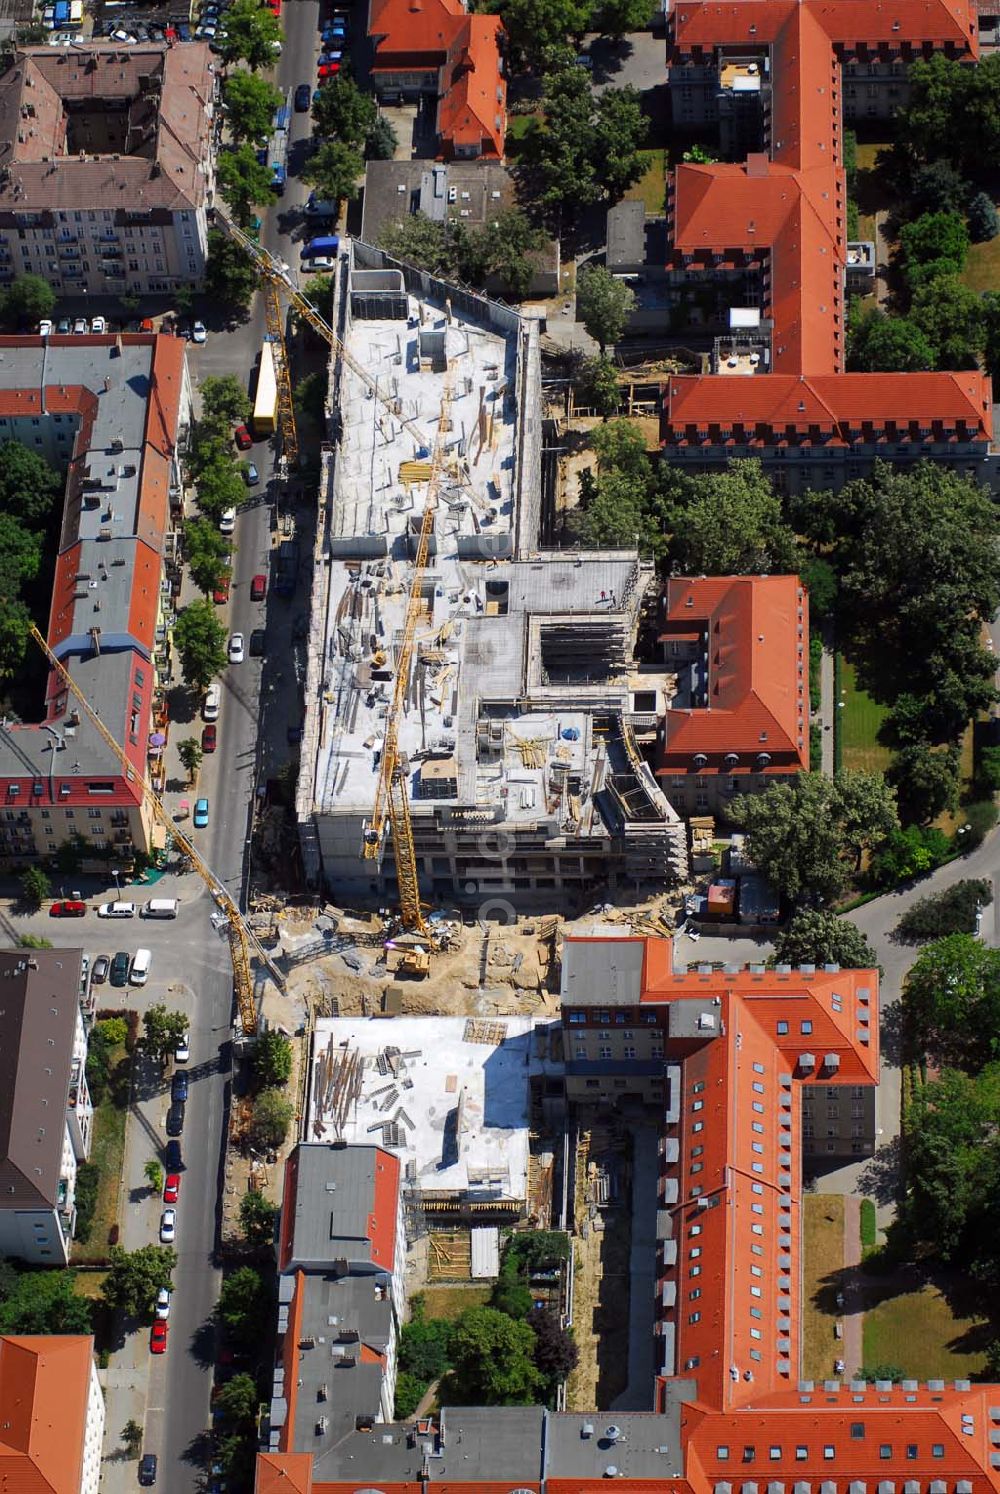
(769,235)
(51,1414)
(106,167)
(115,413)
(46,1113)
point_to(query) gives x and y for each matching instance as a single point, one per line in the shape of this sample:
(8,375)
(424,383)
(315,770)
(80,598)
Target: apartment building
(738,718)
(114,412)
(768,236)
(51,1414)
(341,1294)
(106,167)
(435,52)
(46,1113)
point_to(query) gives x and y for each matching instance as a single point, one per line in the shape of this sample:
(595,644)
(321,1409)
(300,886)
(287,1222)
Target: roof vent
(613,1433)
(611,1471)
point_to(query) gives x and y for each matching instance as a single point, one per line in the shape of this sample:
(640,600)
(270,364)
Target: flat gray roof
(638,1444)
(340,1374)
(602,972)
(334,1197)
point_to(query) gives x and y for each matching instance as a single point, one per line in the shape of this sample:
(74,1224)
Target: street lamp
(116,875)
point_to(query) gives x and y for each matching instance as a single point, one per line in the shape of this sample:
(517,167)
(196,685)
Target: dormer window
(700,759)
(763,759)
(731,759)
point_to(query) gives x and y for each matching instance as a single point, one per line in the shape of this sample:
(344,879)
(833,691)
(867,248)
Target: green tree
(612,518)
(243,182)
(597,385)
(951,911)
(983,221)
(419,241)
(816,936)
(26,300)
(951,1001)
(335,171)
(162,1031)
(381,141)
(244,1305)
(35,887)
(556,1351)
(230,276)
(206,550)
(728,523)
(409,1392)
(536,27)
(43,1302)
(926,780)
(424,1345)
(29,487)
(883,1370)
(309,396)
(344,112)
(257,1217)
(250,33)
(20,556)
(34,941)
(878,343)
(937,187)
(134,1278)
(621,446)
(220,485)
(805,836)
(938,239)
(15,622)
(153,1173)
(603,304)
(953,319)
(238,1402)
(131,1436)
(190,753)
(271,1118)
(587,149)
(493,1361)
(908,853)
(510,1293)
(250,104)
(224,399)
(615,18)
(201,644)
(272,1060)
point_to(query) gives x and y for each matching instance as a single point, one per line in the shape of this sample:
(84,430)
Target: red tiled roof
(383,1218)
(756,632)
(284,1473)
(792,208)
(44,1387)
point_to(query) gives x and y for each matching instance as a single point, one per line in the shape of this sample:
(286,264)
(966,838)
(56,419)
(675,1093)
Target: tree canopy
(878,343)
(134,1278)
(727,523)
(41,1302)
(342,111)
(933,244)
(536,28)
(271,1118)
(817,936)
(250,103)
(257,1217)
(206,549)
(162,1031)
(27,299)
(603,304)
(952,1002)
(272,1059)
(587,149)
(244,1304)
(29,487)
(806,836)
(230,277)
(499,250)
(492,1361)
(249,33)
(224,401)
(927,781)
(201,644)
(243,182)
(951,911)
(335,171)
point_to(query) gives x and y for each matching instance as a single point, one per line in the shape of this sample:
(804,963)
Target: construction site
(522,710)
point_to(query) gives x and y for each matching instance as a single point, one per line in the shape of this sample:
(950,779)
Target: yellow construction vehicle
(241,936)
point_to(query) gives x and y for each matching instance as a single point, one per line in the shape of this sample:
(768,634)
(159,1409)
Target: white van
(213,700)
(140,967)
(159,907)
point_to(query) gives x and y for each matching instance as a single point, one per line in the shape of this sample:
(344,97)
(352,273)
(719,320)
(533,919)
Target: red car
(158,1338)
(171,1187)
(243,438)
(258,588)
(329,69)
(221,593)
(68,908)
(208,739)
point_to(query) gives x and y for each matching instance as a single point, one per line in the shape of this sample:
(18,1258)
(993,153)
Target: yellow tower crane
(241,936)
(391,790)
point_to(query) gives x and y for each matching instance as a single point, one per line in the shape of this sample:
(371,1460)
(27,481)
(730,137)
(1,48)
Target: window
(722,1452)
(694,1317)
(696,1166)
(857,1429)
(698,1126)
(801,1453)
(758,1128)
(749,1452)
(782,1029)
(756,1271)
(756,1292)
(829,1453)
(698,1105)
(604,1051)
(757,1107)
(911,1451)
(758,1088)
(805,1028)
(696,1089)
(695,1271)
(577,1017)
(579,1052)
(937,1449)
(774,1453)
(695,1252)
(885,1451)
(758,1068)
(629,1050)
(694,1294)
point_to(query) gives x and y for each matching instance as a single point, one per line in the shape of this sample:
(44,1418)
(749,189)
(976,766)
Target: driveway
(639,60)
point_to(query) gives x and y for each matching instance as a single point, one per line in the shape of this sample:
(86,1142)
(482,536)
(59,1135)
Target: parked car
(327,70)
(147,1470)
(120,968)
(63,326)
(258,587)
(171,1187)
(237,652)
(158,1337)
(179,1086)
(168,1226)
(257,643)
(209,738)
(81,326)
(175,1119)
(183,1050)
(99,974)
(116,910)
(200,813)
(198,331)
(303,98)
(172,1156)
(322,262)
(163,1304)
(227,521)
(243,438)
(220,596)
(99,324)
(69,907)
(250,474)
(45,327)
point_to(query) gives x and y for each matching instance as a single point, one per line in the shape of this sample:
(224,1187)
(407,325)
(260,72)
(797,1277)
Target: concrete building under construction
(525,713)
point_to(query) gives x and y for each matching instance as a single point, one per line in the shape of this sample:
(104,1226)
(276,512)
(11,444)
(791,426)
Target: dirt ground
(601,1277)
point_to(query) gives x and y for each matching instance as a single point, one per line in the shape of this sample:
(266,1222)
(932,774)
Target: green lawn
(918,1332)
(982,270)
(651,188)
(822,1258)
(107,1150)
(451,1302)
(518,126)
(859,722)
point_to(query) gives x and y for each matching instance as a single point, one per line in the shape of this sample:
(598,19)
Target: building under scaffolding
(526,714)
(450,1096)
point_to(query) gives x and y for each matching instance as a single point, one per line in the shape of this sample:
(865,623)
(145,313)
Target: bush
(408,1392)
(88,1176)
(35,887)
(869,1226)
(952,911)
(815,667)
(909,853)
(815,746)
(424,1345)
(980,818)
(982,217)
(988,770)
